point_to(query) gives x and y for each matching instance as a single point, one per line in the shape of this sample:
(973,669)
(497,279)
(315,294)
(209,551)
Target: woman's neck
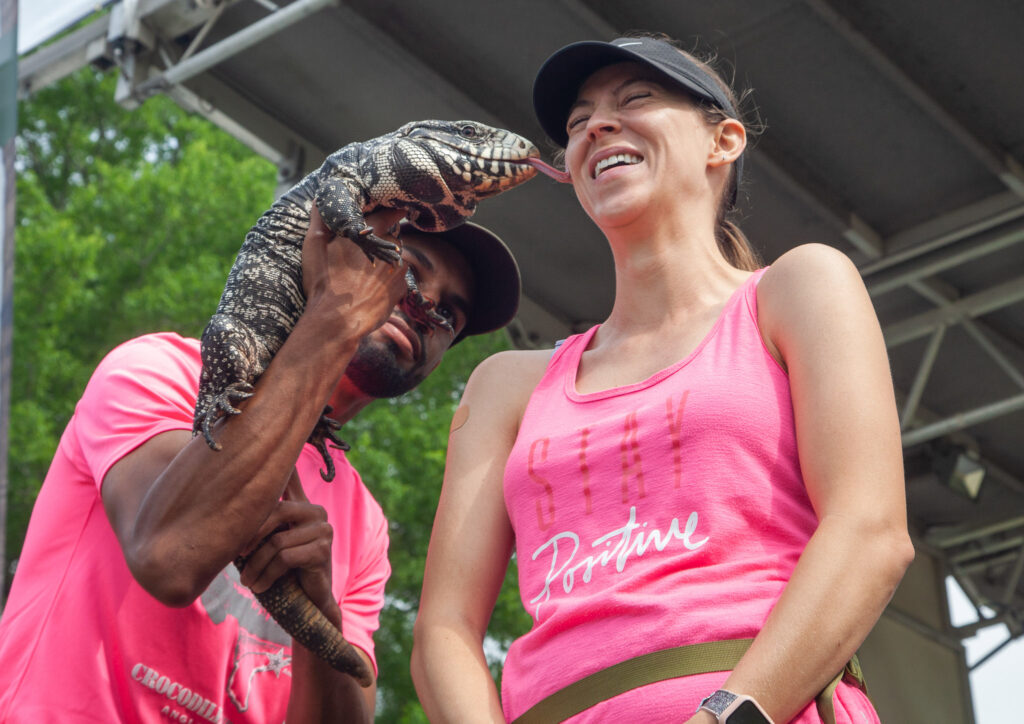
(666,276)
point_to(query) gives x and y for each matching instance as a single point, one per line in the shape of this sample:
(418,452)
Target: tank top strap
(747,298)
(565,359)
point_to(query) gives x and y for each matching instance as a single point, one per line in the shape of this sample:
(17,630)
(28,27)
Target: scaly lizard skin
(437,172)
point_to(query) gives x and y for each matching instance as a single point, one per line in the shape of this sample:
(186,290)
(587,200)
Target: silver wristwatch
(731,708)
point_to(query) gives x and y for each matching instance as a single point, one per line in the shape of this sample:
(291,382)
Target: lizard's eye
(468,131)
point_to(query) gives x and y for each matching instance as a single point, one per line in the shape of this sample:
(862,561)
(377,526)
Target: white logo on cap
(623,45)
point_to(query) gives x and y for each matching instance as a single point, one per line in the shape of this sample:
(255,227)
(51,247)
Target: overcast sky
(995,684)
(41,19)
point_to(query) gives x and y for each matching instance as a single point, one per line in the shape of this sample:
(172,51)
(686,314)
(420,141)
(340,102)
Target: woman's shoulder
(501,385)
(808,274)
(515,368)
(811,288)
(811,262)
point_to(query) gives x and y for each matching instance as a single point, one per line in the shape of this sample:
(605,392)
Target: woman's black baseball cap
(559,79)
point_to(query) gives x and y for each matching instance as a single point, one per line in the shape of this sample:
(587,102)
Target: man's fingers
(307,546)
(293,488)
(289,513)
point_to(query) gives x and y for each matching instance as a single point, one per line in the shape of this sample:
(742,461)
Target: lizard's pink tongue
(560,176)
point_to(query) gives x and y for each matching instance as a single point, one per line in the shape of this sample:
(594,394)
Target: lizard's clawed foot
(321,435)
(342,215)
(375,247)
(221,405)
(420,309)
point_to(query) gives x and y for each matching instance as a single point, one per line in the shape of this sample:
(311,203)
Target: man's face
(399,355)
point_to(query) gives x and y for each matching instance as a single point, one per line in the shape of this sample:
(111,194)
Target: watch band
(730,708)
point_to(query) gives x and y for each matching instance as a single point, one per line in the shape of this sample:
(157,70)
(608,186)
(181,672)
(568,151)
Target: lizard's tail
(291,608)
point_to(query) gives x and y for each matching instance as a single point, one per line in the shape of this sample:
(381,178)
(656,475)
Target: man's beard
(375,370)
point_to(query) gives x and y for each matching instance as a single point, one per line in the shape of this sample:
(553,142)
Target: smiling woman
(715,100)
(713,474)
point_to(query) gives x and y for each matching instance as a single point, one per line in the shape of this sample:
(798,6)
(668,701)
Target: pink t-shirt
(667,512)
(81,641)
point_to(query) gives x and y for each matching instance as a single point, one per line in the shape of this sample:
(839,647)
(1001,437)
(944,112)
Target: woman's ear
(729,142)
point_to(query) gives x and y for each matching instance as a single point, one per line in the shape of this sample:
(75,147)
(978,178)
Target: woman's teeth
(619,158)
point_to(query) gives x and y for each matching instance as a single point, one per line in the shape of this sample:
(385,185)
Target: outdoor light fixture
(960,469)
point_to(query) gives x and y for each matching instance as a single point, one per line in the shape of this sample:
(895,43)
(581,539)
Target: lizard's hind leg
(321,435)
(233,357)
(421,309)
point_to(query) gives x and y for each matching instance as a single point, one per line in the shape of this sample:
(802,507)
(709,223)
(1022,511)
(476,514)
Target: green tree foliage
(128,223)
(399,447)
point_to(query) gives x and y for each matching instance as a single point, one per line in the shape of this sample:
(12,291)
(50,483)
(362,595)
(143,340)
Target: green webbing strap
(853,674)
(622,677)
(662,665)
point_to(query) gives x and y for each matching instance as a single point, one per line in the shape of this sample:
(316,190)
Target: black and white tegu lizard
(436,172)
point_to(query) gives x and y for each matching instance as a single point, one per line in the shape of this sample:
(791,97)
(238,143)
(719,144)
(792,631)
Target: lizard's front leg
(232,360)
(344,216)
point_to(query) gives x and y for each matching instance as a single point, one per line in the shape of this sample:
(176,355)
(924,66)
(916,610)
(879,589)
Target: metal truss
(990,552)
(133,37)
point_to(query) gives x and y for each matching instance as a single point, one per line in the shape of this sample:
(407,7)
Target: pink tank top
(663,513)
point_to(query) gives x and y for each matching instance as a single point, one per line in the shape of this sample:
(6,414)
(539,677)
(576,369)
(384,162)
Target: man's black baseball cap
(495,271)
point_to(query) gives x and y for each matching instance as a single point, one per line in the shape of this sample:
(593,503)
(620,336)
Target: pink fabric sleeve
(137,391)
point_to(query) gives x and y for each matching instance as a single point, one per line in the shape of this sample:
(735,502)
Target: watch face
(746,713)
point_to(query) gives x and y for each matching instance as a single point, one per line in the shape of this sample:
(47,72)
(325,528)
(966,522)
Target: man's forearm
(321,694)
(207,504)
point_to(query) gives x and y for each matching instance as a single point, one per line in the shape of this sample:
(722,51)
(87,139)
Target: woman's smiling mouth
(618,159)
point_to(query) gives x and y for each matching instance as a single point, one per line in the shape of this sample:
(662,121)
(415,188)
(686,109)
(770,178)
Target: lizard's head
(462,162)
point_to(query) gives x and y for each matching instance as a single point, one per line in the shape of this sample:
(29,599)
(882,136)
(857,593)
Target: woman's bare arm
(471,544)
(816,315)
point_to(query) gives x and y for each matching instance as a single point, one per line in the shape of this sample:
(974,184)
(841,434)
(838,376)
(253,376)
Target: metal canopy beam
(945,229)
(998,161)
(993,298)
(232,45)
(931,263)
(63,57)
(963,420)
